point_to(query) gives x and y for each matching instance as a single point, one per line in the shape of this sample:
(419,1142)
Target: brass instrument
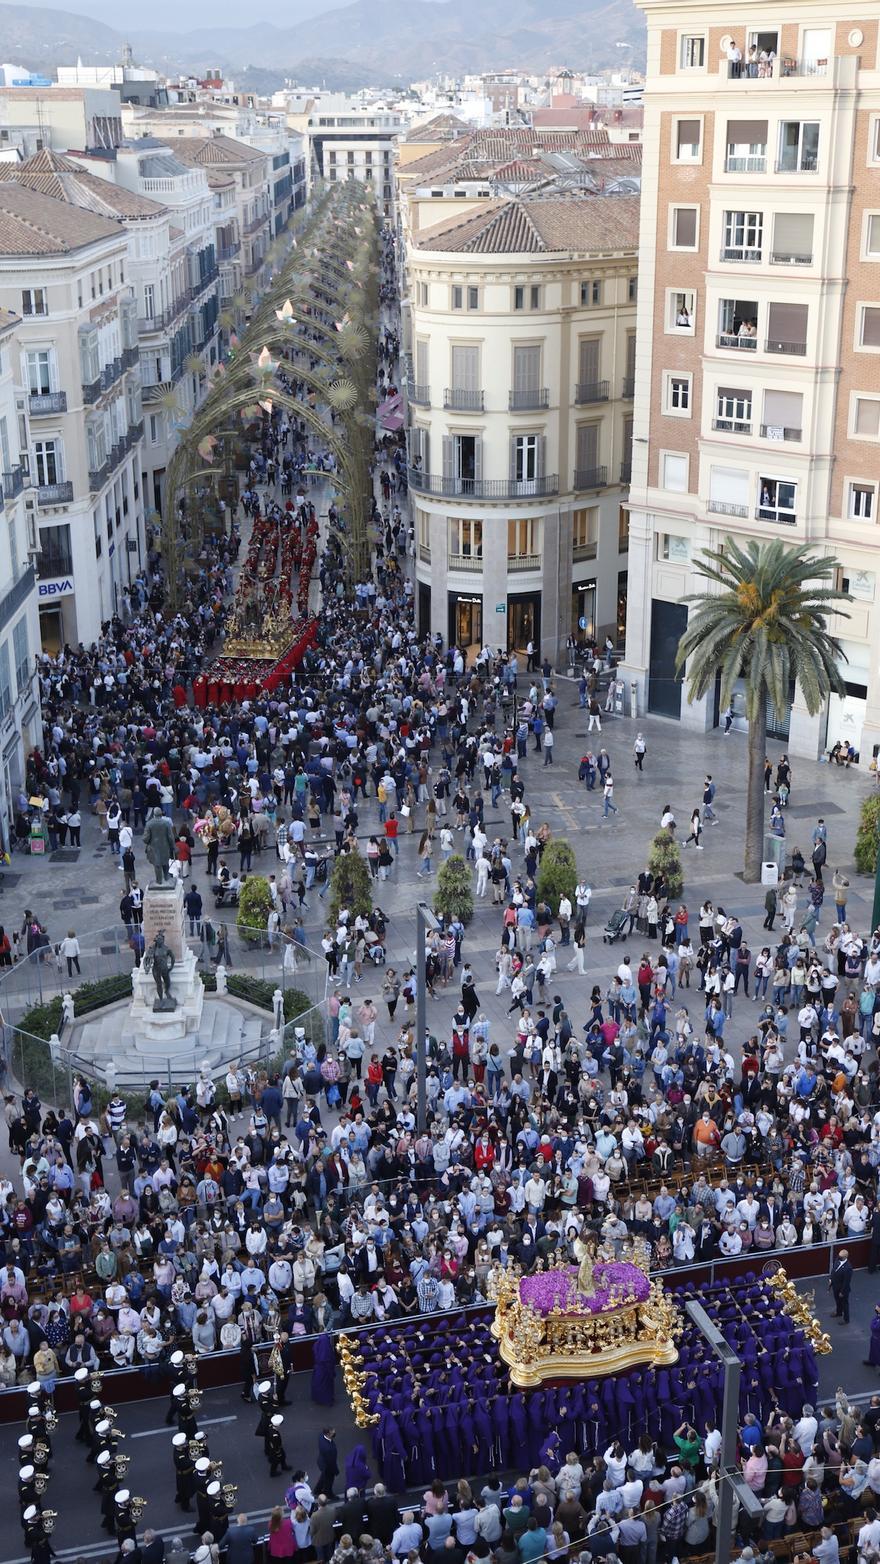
(96,1379)
(49,1517)
(117,1433)
(122,1463)
(194,1397)
(229,1492)
(41,1482)
(192,1364)
(137,1508)
(41,1453)
(51,1417)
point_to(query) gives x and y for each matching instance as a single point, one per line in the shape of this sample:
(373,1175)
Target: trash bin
(769,874)
(774,850)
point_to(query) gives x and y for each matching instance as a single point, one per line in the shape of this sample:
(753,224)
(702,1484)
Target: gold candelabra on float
(800,1310)
(354,1383)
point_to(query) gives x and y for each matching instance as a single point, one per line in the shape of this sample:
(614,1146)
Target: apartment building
(180,228)
(757,411)
(520,324)
(64,270)
(248,168)
(20,725)
(350,140)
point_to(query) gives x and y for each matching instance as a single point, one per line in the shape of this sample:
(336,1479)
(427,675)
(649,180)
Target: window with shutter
(792,238)
(787,329)
(783,415)
(421,361)
(526,377)
(870,327)
(465,368)
(867,418)
(589,369)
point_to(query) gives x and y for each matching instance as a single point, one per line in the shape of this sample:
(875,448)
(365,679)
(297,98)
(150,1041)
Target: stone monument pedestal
(164,912)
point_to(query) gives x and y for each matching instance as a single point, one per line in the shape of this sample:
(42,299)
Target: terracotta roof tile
(32,223)
(552,224)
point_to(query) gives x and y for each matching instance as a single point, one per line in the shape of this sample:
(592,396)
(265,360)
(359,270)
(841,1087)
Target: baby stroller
(618,926)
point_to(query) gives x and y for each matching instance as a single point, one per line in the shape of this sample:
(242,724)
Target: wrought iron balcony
(55,493)
(463,401)
(483,488)
(13,483)
(43,402)
(528,401)
(590,477)
(591,391)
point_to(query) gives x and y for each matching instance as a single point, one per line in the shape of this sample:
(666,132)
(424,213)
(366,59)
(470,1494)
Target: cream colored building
(520,324)
(64,270)
(20,724)
(757,410)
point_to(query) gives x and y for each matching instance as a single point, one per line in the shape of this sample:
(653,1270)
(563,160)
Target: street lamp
(425,921)
(730,1480)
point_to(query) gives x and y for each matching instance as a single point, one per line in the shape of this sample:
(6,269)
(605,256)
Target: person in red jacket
(484,1153)
(374,1078)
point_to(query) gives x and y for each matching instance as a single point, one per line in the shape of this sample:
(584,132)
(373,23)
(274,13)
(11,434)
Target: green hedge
(866,839)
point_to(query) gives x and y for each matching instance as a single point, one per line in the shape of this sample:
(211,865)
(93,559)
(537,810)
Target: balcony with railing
(584,551)
(591,391)
(461,401)
(418,394)
(204,282)
(465,562)
(782,517)
(782,68)
(590,477)
(790,349)
(732,339)
(483,488)
(228,252)
(746,254)
(13,483)
(528,401)
(727,508)
(55,493)
(732,425)
(45,402)
(523,561)
(628,389)
(781,432)
(148,324)
(790,258)
(256,223)
(750,163)
(130,358)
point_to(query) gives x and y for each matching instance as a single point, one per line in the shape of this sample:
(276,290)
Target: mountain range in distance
(367,42)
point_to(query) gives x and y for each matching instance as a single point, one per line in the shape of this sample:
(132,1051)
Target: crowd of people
(264,1207)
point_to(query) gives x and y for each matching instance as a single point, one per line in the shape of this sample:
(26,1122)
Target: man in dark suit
(328,1462)
(383,1515)
(240,1540)
(840,1282)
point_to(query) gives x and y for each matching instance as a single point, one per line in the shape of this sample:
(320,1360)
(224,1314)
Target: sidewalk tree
(557,874)
(763,622)
(868,835)
(351,887)
(454,896)
(254,906)
(664,857)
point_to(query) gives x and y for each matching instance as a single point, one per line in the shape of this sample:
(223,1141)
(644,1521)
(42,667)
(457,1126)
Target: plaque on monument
(163,914)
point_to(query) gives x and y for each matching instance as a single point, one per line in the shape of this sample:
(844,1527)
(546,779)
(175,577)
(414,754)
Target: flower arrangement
(617,1284)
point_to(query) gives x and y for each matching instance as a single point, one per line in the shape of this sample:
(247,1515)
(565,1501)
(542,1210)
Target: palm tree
(765,622)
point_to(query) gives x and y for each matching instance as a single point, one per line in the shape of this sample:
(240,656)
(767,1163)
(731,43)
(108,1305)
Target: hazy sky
(146,15)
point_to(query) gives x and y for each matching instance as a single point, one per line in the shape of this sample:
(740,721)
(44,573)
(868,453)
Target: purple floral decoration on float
(616,1284)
